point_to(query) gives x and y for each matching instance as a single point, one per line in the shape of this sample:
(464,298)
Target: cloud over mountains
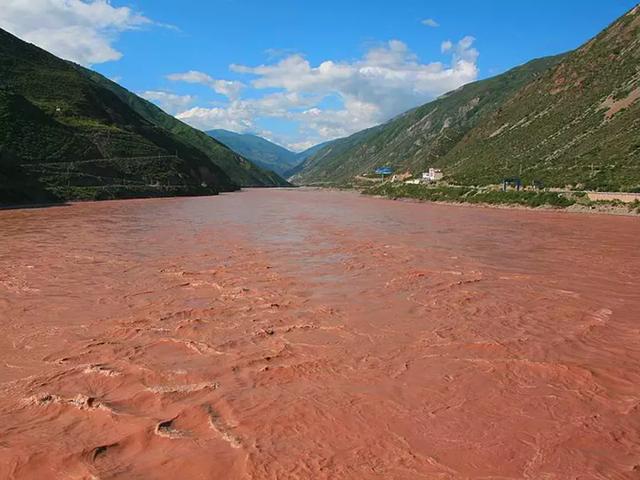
(386,81)
(81,31)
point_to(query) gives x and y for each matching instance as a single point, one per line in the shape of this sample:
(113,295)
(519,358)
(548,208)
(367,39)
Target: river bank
(577,202)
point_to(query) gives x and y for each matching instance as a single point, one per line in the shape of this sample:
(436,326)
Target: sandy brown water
(291,334)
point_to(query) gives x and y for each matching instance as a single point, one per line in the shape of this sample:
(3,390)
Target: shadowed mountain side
(71,132)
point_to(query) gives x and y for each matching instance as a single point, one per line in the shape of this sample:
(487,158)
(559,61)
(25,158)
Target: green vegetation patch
(525,198)
(113,192)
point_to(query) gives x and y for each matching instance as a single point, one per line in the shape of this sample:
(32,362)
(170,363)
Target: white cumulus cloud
(233,117)
(168,101)
(79,30)
(240,115)
(228,88)
(386,81)
(430,22)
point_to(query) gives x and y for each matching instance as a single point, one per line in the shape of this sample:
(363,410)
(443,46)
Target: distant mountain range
(69,133)
(569,120)
(261,151)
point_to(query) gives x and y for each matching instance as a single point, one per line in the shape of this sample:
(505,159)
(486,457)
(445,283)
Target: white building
(433,175)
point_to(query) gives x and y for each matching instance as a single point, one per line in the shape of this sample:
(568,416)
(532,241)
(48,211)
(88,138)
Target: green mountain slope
(260,151)
(63,135)
(416,139)
(241,171)
(62,130)
(566,120)
(578,124)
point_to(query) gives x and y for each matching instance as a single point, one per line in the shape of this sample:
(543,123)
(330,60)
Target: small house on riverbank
(432,175)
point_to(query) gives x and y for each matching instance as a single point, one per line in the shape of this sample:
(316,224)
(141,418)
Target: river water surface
(292,334)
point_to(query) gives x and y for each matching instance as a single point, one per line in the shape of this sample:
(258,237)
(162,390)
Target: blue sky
(301,72)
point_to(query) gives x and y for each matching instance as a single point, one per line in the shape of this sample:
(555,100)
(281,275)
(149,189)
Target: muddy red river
(291,334)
